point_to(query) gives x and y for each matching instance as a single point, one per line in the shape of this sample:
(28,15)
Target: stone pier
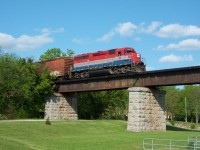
(146,110)
(61,106)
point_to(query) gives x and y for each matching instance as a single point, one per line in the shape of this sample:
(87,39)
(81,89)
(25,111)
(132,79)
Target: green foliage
(47,122)
(56,53)
(103,105)
(192,126)
(172,122)
(177,106)
(172,98)
(52,54)
(3,117)
(192,94)
(23,87)
(70,53)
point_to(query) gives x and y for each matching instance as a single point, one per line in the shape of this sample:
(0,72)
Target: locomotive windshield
(129,51)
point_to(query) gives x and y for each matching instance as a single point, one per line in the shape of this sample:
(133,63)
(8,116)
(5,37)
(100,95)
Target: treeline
(103,105)
(23,87)
(183,104)
(180,104)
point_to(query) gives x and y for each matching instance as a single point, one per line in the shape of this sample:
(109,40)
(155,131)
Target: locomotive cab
(131,53)
(136,59)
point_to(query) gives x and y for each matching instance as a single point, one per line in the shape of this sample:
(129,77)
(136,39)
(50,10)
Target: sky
(165,32)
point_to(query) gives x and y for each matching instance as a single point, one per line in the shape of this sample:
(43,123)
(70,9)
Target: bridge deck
(176,76)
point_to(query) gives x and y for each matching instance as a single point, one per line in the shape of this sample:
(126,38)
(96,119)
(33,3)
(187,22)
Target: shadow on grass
(171,128)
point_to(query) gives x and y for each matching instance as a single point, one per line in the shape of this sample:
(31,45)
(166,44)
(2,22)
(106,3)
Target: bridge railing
(193,143)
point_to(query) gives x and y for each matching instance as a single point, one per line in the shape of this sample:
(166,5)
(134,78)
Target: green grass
(78,135)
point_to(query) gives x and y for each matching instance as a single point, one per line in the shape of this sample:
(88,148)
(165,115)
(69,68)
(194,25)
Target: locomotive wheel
(139,70)
(87,74)
(116,70)
(77,75)
(84,74)
(124,69)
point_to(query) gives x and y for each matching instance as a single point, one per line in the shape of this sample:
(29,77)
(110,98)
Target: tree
(56,53)
(1,51)
(23,87)
(70,53)
(117,104)
(39,84)
(90,105)
(10,82)
(192,93)
(52,54)
(104,104)
(174,107)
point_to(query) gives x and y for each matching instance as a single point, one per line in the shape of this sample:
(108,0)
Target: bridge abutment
(61,106)
(146,110)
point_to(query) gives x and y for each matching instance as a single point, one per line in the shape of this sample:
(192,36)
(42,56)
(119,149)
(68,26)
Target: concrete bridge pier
(61,106)
(146,110)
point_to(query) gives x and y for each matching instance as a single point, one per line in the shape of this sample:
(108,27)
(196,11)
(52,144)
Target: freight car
(114,61)
(58,67)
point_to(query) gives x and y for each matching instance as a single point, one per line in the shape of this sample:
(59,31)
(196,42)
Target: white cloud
(49,31)
(106,37)
(151,28)
(155,28)
(123,29)
(174,58)
(188,44)
(137,39)
(81,41)
(177,31)
(26,42)
(23,42)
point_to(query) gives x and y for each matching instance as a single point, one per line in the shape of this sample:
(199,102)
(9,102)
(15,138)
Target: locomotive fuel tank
(102,72)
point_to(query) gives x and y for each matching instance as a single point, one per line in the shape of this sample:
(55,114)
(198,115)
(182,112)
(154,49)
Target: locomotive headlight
(138,55)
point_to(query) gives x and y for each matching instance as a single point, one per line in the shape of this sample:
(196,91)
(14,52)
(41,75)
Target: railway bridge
(146,102)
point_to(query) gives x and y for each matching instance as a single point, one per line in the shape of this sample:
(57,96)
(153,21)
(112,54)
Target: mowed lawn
(77,135)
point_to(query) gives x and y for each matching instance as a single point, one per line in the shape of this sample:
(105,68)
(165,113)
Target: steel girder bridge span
(176,76)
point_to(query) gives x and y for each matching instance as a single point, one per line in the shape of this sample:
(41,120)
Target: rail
(193,143)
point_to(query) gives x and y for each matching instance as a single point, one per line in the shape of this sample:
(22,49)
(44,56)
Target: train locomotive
(101,63)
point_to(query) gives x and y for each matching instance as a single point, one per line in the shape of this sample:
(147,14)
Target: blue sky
(165,32)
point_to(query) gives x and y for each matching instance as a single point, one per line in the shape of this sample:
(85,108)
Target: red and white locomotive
(114,61)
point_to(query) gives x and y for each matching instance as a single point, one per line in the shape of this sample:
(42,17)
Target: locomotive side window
(112,51)
(81,57)
(98,54)
(85,57)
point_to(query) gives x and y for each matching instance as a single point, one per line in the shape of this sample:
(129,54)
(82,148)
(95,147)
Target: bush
(172,122)
(3,117)
(21,114)
(192,126)
(47,122)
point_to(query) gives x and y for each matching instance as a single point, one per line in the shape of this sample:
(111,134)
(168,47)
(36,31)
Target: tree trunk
(196,114)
